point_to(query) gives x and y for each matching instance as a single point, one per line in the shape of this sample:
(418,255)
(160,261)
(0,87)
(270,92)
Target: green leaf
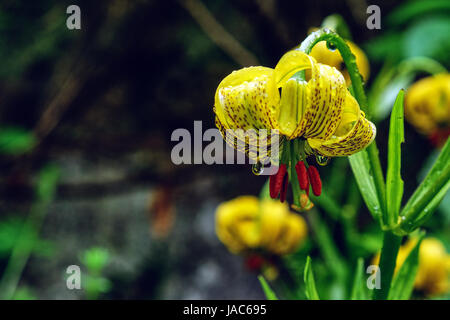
(327,246)
(394,77)
(308,277)
(95,259)
(270,294)
(360,165)
(15,141)
(384,97)
(415,9)
(428,195)
(394,182)
(403,284)
(428,38)
(24,293)
(431,207)
(359,285)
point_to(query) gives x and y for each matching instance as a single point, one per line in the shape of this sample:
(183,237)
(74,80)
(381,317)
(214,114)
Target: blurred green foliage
(15,141)
(95,260)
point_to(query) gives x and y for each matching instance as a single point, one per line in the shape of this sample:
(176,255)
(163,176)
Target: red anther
(279,179)
(254,262)
(284,187)
(272,182)
(302,175)
(314,178)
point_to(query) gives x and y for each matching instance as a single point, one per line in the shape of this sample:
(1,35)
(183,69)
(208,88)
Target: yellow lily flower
(246,224)
(427,105)
(319,109)
(434,265)
(333,58)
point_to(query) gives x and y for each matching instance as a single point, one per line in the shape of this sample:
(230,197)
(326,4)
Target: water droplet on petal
(257,168)
(322,160)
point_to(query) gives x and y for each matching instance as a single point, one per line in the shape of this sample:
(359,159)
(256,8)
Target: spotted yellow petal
(245,104)
(293,100)
(291,63)
(315,106)
(353,134)
(246,99)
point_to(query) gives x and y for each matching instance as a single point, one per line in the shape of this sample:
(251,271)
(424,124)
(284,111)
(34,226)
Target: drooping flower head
(299,100)
(319,108)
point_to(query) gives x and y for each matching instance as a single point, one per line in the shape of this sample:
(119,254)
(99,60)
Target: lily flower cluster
(307,103)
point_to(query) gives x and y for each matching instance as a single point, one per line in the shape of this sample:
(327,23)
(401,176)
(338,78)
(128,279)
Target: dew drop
(257,168)
(331,46)
(322,160)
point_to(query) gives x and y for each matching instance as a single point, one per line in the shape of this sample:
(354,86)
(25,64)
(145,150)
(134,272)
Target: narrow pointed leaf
(359,285)
(270,294)
(360,165)
(394,182)
(311,292)
(429,194)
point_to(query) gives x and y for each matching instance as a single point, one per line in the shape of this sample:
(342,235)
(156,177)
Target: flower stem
(388,259)
(348,57)
(391,242)
(358,90)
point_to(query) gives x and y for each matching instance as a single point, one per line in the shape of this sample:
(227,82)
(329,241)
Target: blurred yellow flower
(333,58)
(246,224)
(427,104)
(434,265)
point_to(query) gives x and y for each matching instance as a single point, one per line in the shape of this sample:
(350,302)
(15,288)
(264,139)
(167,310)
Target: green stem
(391,243)
(347,56)
(265,191)
(23,247)
(388,259)
(358,90)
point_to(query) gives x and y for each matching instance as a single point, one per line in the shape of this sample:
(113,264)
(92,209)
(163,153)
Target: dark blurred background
(101,104)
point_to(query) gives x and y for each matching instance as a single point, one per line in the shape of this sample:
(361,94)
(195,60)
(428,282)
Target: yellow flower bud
(434,268)
(427,104)
(333,58)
